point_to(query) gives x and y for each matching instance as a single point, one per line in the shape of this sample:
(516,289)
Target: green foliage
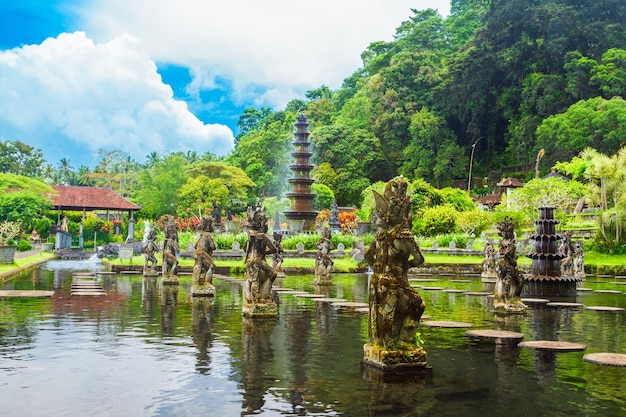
(597,123)
(324,196)
(519,218)
(23,206)
(457,198)
(19,158)
(611,235)
(24,245)
(225,241)
(42,226)
(474,222)
(424,195)
(159,185)
(439,220)
(550,192)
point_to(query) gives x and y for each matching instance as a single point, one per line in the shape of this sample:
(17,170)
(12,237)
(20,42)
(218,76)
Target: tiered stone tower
(301,198)
(546,279)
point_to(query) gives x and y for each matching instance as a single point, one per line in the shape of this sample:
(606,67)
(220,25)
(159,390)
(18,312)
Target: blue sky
(157,75)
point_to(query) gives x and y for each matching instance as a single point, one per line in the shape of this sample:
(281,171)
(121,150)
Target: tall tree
(18,158)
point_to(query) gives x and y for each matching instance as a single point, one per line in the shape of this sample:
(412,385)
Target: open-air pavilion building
(107,203)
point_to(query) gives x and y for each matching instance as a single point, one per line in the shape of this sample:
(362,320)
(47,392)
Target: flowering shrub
(347,221)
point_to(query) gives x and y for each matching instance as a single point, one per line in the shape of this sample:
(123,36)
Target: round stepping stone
(351,304)
(329,300)
(478,293)
(494,334)
(535,300)
(553,345)
(459,280)
(283,289)
(446,324)
(618,283)
(584,289)
(606,358)
(363,310)
(604,308)
(452,290)
(608,291)
(564,304)
(430,288)
(426,317)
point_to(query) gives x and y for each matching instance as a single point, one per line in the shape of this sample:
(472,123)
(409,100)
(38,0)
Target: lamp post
(469,180)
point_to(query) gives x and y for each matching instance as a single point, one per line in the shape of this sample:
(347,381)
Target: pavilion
(101,199)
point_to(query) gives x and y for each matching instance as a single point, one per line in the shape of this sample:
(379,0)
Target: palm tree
(65,171)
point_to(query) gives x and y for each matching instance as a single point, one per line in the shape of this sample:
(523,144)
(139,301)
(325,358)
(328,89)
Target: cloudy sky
(77,76)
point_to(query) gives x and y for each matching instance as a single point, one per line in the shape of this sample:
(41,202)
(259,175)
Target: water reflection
(257,355)
(169,302)
(159,353)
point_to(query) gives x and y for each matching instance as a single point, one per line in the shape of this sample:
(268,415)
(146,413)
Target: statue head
(207,224)
(278,237)
(393,207)
(257,220)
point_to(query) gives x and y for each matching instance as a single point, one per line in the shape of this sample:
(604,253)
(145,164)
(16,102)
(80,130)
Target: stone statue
(149,249)
(259,276)
(395,307)
(323,261)
(509,281)
(203,259)
(217,214)
(579,260)
(567,250)
(277,258)
(489,263)
(170,250)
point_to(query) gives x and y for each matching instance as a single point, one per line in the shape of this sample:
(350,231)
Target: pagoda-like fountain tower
(545,278)
(301,197)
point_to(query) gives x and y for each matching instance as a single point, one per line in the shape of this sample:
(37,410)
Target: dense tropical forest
(519,86)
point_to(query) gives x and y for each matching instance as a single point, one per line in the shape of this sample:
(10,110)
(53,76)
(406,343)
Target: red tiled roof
(68,197)
(491,199)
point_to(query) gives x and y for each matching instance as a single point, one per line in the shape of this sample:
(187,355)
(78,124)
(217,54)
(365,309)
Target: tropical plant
(8,232)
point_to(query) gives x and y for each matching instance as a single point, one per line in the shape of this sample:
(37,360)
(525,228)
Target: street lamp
(469,180)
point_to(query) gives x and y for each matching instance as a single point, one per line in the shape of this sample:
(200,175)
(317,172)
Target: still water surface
(146,350)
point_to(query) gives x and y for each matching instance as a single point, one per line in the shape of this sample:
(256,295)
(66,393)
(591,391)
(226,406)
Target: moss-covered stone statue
(170,253)
(149,251)
(259,276)
(509,282)
(323,261)
(204,266)
(395,307)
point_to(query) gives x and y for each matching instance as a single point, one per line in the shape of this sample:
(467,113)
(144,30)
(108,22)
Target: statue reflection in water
(201,331)
(169,295)
(258,356)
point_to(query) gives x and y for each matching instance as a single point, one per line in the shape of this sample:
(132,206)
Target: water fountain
(545,278)
(301,215)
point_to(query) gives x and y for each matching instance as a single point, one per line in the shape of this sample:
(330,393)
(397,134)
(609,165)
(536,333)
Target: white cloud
(278,45)
(98,95)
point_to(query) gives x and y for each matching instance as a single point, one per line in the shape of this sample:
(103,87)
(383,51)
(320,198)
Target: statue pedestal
(268,309)
(150,273)
(394,360)
(514,305)
(170,280)
(204,290)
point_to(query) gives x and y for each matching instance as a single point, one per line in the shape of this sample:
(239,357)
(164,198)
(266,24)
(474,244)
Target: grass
(21,263)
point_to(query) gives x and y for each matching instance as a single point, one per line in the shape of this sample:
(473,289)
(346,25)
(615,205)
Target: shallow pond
(146,350)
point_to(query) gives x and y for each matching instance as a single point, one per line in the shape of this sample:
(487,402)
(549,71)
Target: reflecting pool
(149,350)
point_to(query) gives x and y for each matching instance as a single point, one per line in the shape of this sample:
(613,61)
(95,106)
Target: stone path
(84,284)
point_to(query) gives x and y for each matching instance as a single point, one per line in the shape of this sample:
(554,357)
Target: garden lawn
(19,264)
